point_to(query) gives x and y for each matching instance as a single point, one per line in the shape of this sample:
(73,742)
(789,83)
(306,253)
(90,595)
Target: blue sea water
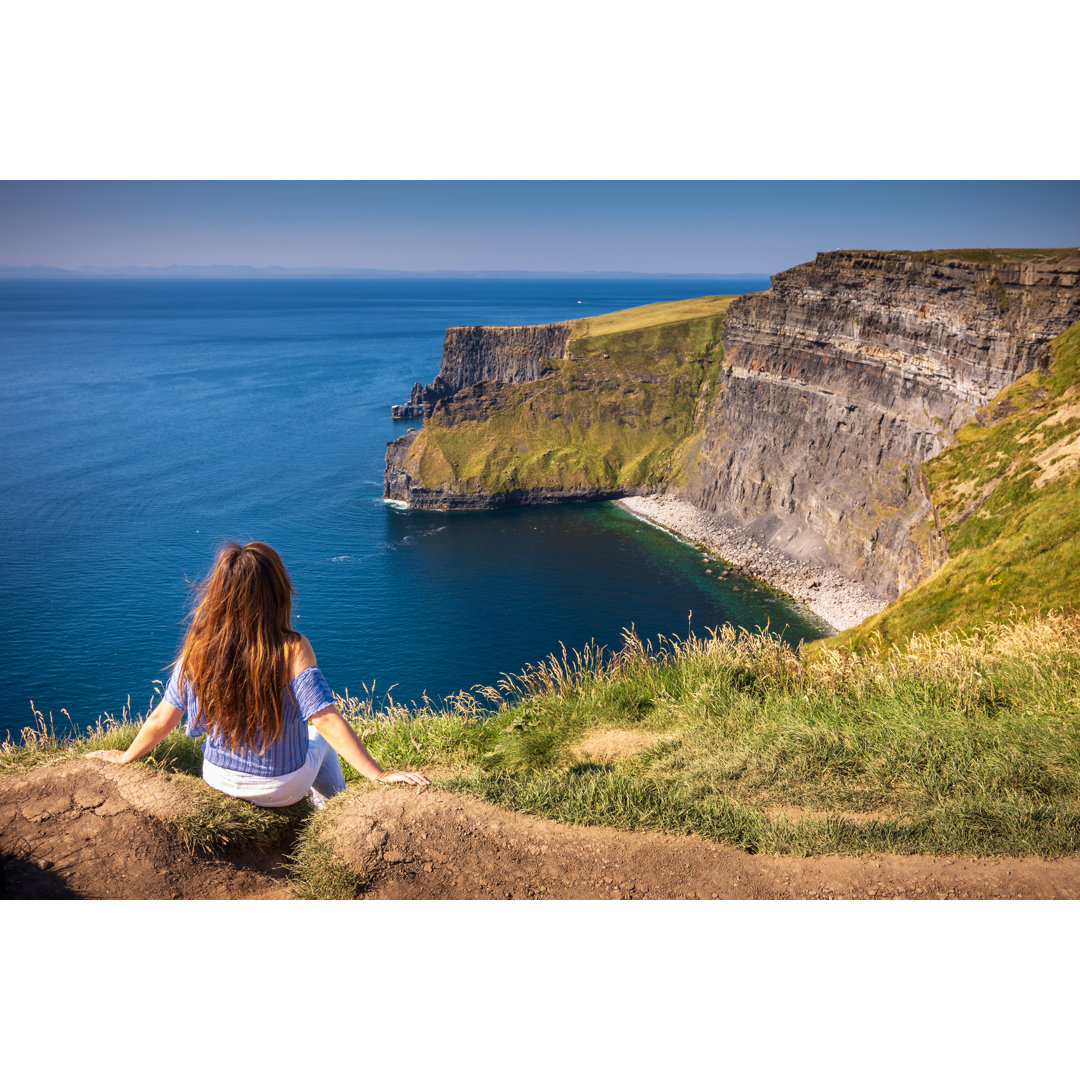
(143,423)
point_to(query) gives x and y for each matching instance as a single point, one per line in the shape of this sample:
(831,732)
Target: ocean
(145,422)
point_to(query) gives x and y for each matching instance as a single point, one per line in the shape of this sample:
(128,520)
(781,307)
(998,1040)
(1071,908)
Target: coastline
(836,600)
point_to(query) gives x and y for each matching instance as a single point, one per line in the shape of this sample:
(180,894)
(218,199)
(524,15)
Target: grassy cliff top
(638,318)
(612,417)
(942,748)
(983,256)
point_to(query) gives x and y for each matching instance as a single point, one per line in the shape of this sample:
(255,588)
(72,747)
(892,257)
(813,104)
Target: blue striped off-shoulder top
(310,694)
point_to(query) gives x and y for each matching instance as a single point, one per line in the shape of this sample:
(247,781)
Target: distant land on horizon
(229,271)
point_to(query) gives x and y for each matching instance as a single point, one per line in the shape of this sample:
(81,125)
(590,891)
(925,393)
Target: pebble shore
(835,599)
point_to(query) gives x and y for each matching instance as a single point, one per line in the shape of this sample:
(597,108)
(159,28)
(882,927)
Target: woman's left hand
(404,778)
(115,756)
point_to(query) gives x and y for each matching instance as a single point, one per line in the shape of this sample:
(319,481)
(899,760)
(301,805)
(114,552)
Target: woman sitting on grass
(250,683)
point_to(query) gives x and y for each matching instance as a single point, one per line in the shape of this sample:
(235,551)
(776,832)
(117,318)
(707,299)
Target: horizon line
(273,270)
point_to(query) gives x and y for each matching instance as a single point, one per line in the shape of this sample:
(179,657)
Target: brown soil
(436,845)
(89,830)
(611,745)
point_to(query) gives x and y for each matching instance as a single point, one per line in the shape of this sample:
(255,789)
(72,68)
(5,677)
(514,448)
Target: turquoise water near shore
(143,423)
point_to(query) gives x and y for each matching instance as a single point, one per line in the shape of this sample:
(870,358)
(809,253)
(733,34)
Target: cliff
(616,397)
(1007,495)
(803,413)
(479,354)
(849,373)
(506,354)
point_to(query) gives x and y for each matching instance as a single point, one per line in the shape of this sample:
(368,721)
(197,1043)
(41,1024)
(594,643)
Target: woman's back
(239,649)
(306,693)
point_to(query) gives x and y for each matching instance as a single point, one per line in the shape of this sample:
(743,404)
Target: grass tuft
(218,824)
(317,872)
(40,745)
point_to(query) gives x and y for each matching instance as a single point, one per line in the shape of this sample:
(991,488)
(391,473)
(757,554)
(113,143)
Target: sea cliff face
(802,413)
(845,376)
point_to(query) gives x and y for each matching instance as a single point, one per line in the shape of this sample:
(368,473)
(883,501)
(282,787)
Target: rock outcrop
(501,354)
(832,389)
(413,408)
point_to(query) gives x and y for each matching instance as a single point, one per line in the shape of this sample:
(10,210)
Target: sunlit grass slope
(612,416)
(953,744)
(648,315)
(1007,495)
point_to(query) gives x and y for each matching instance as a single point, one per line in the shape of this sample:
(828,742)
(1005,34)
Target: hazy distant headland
(230,271)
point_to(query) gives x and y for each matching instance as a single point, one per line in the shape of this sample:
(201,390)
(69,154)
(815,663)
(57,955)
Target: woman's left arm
(155,727)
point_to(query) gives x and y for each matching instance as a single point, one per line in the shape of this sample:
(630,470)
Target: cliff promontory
(592,409)
(802,414)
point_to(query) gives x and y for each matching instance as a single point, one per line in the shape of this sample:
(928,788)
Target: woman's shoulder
(301,656)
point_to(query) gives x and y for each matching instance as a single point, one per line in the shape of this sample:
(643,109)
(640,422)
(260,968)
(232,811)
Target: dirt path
(438,845)
(84,829)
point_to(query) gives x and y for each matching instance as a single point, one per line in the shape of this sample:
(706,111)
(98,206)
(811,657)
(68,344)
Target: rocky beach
(835,599)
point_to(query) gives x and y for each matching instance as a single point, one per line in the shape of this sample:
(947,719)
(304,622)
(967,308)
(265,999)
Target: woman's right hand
(404,778)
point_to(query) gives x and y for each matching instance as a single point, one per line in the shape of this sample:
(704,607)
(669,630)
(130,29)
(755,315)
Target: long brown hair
(235,654)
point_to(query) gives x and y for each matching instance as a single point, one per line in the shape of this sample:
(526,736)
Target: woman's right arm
(155,727)
(331,725)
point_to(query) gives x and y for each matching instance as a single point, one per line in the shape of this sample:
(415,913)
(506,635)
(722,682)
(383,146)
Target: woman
(250,683)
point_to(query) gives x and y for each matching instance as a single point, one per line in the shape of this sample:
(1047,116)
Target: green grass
(616,416)
(1007,496)
(218,824)
(316,871)
(651,315)
(954,744)
(39,744)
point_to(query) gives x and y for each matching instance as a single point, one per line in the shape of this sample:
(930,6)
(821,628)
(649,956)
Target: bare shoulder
(301,657)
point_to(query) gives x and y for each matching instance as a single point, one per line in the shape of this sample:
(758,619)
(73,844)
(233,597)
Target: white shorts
(320,764)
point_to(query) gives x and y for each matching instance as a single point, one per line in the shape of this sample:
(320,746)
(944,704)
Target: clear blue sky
(724,227)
